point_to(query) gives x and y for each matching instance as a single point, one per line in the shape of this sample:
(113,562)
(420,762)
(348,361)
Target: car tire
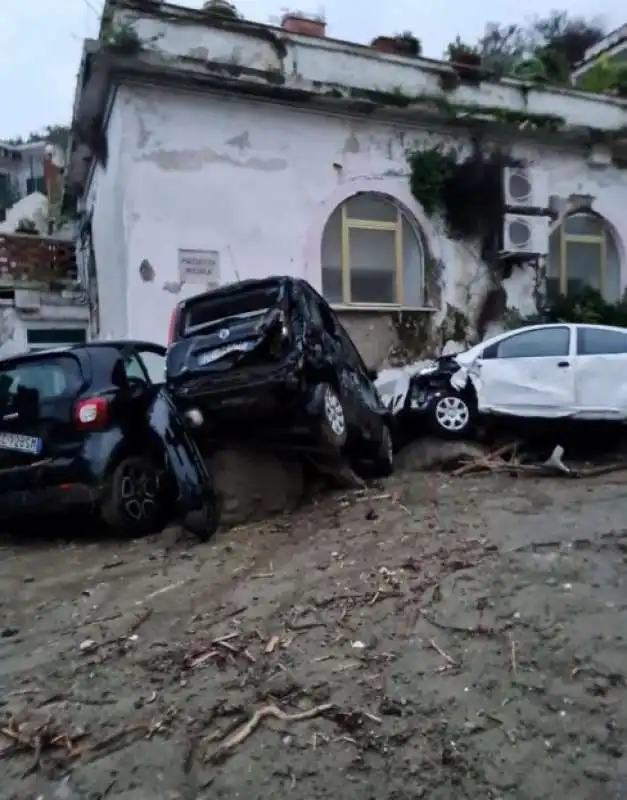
(334,424)
(132,504)
(451,415)
(383,461)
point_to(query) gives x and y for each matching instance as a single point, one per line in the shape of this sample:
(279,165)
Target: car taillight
(91,413)
(172,325)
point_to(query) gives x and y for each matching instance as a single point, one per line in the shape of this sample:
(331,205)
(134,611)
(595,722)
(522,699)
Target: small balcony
(30,258)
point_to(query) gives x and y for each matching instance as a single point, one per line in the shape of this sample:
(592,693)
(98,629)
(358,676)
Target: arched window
(583,254)
(372,254)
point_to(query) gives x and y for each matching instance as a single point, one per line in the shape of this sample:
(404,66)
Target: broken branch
(242,733)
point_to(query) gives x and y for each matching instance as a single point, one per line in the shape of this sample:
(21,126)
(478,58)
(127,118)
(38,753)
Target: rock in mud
(253,485)
(434,454)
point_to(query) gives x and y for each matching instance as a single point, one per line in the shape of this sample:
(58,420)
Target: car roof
(113,344)
(249,283)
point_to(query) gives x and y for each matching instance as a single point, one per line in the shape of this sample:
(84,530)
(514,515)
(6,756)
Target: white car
(543,371)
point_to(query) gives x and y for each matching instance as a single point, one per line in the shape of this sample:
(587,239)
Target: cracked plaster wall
(255,182)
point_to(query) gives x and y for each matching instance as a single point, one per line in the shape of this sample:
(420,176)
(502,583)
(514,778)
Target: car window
(538,343)
(596,341)
(133,368)
(49,377)
(154,364)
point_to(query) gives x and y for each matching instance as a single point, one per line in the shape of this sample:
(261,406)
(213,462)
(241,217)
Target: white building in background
(240,150)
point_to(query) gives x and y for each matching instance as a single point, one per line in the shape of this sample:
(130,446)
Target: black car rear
(38,394)
(268,361)
(230,339)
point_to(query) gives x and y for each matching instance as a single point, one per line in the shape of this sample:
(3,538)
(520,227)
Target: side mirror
(372,373)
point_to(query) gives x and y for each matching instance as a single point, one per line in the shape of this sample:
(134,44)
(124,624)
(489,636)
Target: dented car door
(530,373)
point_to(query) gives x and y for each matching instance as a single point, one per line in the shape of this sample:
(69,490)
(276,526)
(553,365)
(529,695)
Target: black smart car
(268,360)
(88,427)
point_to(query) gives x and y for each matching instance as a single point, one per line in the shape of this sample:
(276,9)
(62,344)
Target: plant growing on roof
(465,60)
(408,44)
(221,8)
(120,37)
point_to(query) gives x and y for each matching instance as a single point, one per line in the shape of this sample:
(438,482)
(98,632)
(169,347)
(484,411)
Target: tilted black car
(87,427)
(269,360)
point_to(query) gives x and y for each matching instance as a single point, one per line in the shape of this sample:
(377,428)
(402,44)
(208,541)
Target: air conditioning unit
(526,236)
(524,187)
(27,299)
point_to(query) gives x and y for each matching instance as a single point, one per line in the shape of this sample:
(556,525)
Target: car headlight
(429,370)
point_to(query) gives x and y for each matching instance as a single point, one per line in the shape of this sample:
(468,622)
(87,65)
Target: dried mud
(450,637)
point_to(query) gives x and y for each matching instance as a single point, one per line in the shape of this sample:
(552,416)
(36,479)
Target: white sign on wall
(200,267)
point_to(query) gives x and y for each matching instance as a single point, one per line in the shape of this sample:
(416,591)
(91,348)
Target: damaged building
(209,149)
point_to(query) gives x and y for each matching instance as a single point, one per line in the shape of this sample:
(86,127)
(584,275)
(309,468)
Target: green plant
(461,53)
(408,43)
(121,38)
(587,306)
(221,8)
(429,171)
(605,77)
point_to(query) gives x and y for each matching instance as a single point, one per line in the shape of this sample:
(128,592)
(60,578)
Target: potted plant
(221,8)
(465,60)
(303,24)
(402,44)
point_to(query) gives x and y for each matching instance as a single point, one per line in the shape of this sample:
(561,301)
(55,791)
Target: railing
(33,258)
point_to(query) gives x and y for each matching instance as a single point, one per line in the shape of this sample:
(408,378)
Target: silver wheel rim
(452,413)
(334,413)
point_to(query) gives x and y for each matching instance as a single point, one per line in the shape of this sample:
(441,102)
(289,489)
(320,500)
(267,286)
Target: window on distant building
(46,338)
(35,185)
(372,254)
(583,254)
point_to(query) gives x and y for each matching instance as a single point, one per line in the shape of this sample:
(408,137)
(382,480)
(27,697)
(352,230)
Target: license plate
(209,356)
(20,443)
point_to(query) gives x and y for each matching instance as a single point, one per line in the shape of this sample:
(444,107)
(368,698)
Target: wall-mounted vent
(525,188)
(524,235)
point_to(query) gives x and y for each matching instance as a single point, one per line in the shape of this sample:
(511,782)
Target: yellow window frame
(352,223)
(577,238)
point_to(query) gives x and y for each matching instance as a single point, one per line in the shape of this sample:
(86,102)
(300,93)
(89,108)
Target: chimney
(53,175)
(293,22)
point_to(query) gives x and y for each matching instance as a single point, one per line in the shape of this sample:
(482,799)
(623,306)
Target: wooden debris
(243,732)
(272,644)
(450,662)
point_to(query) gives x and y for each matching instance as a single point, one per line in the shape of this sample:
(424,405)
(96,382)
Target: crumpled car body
(254,361)
(569,371)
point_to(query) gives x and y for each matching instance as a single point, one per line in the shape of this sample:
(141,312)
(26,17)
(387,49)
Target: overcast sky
(40,40)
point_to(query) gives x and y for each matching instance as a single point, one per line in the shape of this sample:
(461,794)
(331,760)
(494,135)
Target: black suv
(269,360)
(89,427)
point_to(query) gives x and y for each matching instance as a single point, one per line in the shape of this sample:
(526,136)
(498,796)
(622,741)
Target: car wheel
(132,502)
(383,461)
(451,415)
(334,427)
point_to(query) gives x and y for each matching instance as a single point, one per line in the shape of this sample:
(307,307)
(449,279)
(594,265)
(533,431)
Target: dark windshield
(50,377)
(237,303)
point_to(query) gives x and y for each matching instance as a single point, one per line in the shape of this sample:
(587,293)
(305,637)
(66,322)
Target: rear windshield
(50,377)
(213,309)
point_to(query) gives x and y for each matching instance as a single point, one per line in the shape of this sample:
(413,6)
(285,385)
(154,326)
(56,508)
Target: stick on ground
(242,733)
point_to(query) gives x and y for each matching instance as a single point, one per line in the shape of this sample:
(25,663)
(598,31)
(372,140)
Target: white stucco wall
(256,182)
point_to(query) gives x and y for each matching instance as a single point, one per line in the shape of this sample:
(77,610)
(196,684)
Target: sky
(41,40)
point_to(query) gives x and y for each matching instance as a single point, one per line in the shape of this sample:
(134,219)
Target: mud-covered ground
(445,638)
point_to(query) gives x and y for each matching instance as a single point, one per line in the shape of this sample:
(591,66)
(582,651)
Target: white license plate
(209,356)
(20,443)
